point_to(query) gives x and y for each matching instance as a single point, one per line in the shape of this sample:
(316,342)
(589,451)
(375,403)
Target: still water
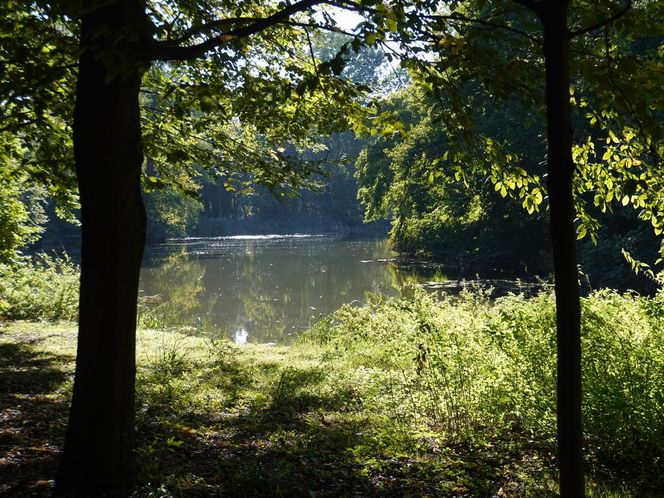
(266,288)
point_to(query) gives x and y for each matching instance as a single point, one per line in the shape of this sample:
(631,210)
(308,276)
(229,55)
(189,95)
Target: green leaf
(613,137)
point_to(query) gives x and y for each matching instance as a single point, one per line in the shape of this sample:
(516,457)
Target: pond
(266,288)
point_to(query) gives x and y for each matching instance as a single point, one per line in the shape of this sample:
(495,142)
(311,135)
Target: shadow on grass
(300,438)
(303,441)
(272,454)
(32,418)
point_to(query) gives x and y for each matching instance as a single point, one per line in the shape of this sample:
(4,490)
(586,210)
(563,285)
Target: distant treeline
(372,186)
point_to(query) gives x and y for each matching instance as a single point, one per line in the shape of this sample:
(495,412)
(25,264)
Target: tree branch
(488,25)
(531,4)
(313,56)
(352,6)
(323,27)
(207,27)
(165,51)
(617,15)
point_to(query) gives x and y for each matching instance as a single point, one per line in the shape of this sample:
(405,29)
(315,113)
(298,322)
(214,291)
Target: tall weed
(624,371)
(41,287)
(472,367)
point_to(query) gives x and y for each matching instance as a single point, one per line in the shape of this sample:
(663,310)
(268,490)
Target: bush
(45,287)
(475,368)
(39,288)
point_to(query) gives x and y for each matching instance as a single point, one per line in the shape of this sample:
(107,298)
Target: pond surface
(266,288)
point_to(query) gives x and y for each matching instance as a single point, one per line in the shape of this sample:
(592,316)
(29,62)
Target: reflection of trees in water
(280,290)
(405,278)
(271,289)
(265,321)
(176,289)
(274,292)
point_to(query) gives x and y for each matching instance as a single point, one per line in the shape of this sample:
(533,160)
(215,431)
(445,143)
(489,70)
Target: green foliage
(615,100)
(37,59)
(303,170)
(243,112)
(474,115)
(245,122)
(448,208)
(39,288)
(486,95)
(381,398)
(476,369)
(170,213)
(606,263)
(21,215)
(623,365)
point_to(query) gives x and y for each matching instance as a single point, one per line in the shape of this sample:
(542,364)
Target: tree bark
(98,453)
(563,238)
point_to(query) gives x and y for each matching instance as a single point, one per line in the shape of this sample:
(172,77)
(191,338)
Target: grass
(35,376)
(252,421)
(400,398)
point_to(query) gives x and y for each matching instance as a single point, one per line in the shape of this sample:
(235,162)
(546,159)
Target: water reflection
(265,288)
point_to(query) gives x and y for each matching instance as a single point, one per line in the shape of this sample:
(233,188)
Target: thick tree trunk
(563,238)
(98,453)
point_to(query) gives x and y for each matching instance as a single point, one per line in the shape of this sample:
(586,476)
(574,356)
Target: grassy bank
(400,398)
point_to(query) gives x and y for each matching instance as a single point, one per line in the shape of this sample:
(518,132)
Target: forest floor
(215,419)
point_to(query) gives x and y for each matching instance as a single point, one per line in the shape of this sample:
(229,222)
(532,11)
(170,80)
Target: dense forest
(513,140)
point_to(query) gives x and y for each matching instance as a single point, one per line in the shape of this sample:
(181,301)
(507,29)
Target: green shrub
(472,367)
(624,371)
(39,288)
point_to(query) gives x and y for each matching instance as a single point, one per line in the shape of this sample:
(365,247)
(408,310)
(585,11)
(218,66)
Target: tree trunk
(98,453)
(563,238)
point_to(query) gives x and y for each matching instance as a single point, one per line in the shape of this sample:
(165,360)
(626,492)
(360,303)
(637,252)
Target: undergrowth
(402,397)
(45,288)
(473,370)
(40,287)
